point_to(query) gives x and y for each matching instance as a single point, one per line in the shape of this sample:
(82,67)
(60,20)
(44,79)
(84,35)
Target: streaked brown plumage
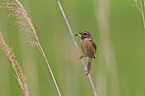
(88,47)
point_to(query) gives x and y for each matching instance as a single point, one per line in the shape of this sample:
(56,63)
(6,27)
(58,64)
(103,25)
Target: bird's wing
(94,45)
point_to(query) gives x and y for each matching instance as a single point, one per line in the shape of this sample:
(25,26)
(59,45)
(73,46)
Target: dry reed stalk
(20,77)
(140,7)
(26,25)
(75,43)
(106,45)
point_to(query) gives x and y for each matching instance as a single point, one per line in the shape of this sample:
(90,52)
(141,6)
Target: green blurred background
(125,31)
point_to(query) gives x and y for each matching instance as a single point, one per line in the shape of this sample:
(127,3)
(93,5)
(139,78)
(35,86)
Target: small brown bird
(88,47)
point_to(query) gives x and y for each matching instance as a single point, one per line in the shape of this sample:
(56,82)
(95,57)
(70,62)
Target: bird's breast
(88,48)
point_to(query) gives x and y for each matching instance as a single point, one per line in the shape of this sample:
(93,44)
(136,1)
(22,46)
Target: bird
(88,47)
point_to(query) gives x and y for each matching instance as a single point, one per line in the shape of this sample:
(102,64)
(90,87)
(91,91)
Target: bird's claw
(87,72)
(81,57)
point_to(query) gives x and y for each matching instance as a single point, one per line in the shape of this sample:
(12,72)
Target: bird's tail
(89,65)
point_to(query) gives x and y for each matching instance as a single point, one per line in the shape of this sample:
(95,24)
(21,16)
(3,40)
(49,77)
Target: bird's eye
(85,33)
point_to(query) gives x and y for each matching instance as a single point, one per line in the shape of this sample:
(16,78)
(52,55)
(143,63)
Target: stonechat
(88,47)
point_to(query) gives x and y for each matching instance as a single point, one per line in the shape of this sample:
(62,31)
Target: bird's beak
(78,35)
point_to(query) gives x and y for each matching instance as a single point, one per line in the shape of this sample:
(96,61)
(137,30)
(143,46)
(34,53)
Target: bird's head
(84,35)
